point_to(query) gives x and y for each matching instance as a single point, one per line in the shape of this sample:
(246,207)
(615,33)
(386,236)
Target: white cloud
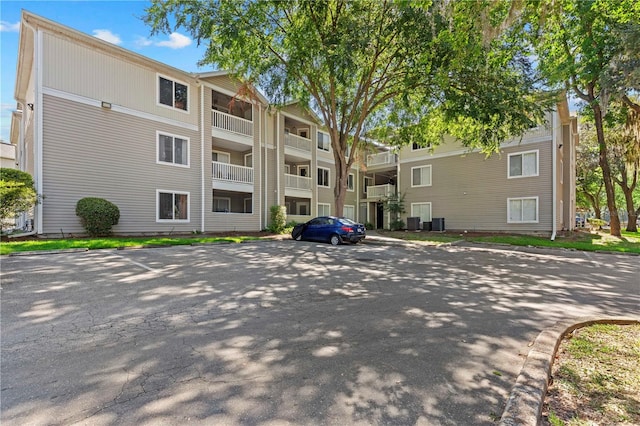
(107,36)
(9,27)
(176,41)
(142,41)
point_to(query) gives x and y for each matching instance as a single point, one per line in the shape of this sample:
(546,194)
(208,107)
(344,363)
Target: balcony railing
(231,123)
(380,191)
(297,142)
(231,172)
(381,159)
(297,182)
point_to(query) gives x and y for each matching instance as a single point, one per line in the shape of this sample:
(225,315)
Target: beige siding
(75,68)
(471,191)
(90,152)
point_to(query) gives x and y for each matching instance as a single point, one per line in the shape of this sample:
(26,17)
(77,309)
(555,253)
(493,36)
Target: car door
(312,229)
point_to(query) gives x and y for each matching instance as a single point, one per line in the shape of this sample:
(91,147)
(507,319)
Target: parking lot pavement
(286,332)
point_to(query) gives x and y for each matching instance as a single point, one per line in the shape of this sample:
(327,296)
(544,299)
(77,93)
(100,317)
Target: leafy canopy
(17,192)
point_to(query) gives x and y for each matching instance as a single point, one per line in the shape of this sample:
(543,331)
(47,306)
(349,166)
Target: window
(324,142)
(350,182)
(324,209)
(349,212)
(303,133)
(248,205)
(221,204)
(367,183)
(173,94)
(221,157)
(421,210)
(323,177)
(173,150)
(172,206)
(523,164)
(248,160)
(415,146)
(522,210)
(421,176)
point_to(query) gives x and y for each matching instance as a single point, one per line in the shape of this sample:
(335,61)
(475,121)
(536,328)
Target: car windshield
(345,221)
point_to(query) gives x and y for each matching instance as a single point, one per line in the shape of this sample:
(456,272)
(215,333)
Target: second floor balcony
(378,192)
(232,177)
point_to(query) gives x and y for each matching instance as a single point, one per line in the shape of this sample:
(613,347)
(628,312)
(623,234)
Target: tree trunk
(633,216)
(340,188)
(614,219)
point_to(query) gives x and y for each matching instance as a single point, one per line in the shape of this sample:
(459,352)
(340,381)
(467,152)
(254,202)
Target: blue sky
(115,21)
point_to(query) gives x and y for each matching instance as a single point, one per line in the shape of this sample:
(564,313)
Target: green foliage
(599,223)
(17,192)
(368,226)
(397,225)
(424,68)
(97,215)
(278,222)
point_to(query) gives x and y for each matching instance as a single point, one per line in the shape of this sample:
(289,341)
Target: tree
(423,67)
(584,46)
(623,125)
(589,184)
(17,192)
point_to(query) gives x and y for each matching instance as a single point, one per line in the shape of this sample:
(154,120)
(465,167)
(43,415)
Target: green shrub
(97,215)
(397,225)
(17,192)
(368,226)
(596,222)
(278,219)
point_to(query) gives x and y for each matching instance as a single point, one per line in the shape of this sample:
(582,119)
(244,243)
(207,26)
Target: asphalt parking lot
(285,332)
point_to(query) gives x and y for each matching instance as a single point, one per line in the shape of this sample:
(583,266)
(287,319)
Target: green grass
(582,240)
(110,242)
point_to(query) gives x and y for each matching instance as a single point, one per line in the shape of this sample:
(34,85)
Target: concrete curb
(524,406)
(43,252)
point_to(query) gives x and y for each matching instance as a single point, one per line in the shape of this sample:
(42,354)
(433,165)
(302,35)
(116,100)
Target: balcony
(297,186)
(231,127)
(296,145)
(232,177)
(377,192)
(382,159)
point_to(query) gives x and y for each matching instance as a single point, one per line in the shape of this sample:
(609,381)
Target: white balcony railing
(383,158)
(297,182)
(297,142)
(231,123)
(380,191)
(231,172)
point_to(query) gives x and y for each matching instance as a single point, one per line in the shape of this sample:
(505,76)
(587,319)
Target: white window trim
(173,108)
(328,185)
(420,148)
(223,153)
(228,199)
(245,159)
(522,199)
(166,163)
(327,205)
(306,204)
(413,214)
(430,176)
(536,151)
(244,205)
(328,146)
(167,191)
(353,209)
(353,181)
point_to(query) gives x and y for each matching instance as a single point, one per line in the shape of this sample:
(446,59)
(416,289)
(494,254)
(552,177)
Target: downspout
(259,162)
(266,170)
(554,225)
(37,131)
(202,140)
(278,159)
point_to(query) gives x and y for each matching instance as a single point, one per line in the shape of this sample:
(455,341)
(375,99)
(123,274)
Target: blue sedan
(335,230)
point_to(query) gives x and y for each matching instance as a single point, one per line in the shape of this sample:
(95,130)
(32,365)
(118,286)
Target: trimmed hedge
(97,215)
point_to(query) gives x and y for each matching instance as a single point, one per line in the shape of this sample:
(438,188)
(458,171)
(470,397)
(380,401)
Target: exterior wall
(92,152)
(97,74)
(7,155)
(470,191)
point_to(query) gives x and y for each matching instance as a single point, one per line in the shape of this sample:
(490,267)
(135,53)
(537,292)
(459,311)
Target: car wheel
(299,237)
(335,240)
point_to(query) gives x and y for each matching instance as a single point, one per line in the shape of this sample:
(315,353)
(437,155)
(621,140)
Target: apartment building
(179,152)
